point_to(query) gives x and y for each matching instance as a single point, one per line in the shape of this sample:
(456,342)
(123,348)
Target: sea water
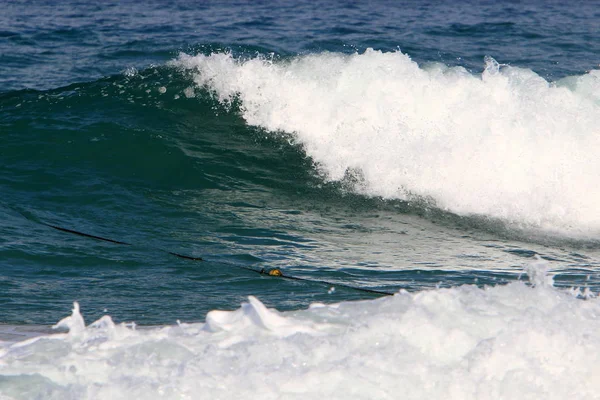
(441,152)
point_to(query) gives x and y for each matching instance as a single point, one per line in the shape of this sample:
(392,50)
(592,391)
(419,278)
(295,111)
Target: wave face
(505,144)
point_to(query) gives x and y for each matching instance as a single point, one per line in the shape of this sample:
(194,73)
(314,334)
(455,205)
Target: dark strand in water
(59,228)
(275,272)
(86,234)
(185,257)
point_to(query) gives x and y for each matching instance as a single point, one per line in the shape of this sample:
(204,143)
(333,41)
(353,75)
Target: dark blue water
(102,132)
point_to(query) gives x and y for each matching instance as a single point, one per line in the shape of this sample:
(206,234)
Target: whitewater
(524,340)
(505,144)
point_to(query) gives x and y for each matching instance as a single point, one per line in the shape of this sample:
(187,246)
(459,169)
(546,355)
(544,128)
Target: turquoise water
(297,136)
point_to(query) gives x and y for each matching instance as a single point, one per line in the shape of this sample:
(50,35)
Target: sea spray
(507,144)
(538,274)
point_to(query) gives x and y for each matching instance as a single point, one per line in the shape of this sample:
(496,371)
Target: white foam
(512,341)
(506,144)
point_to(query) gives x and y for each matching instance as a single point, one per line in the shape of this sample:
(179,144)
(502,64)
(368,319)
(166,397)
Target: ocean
(299,200)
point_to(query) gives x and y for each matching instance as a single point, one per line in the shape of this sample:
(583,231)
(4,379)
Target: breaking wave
(504,144)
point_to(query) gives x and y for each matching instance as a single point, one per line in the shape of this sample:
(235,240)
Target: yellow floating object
(275,272)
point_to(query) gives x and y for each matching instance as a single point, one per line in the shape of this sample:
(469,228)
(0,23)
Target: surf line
(274,272)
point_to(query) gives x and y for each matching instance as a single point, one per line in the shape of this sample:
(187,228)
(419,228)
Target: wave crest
(506,144)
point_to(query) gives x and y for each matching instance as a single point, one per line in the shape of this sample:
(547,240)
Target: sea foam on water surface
(506,144)
(513,342)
